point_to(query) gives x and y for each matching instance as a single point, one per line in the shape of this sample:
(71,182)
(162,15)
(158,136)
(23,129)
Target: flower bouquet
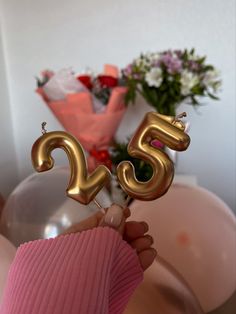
(89,107)
(166,79)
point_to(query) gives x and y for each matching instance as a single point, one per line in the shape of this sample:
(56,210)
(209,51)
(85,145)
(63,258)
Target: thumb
(114,218)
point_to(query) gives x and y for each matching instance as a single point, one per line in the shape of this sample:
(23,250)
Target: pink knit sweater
(94,272)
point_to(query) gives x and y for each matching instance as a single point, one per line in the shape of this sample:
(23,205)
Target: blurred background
(57,33)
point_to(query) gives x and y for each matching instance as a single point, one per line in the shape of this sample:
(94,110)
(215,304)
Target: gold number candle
(82,187)
(171,133)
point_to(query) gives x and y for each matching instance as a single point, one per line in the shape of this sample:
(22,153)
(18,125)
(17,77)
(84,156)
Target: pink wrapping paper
(93,130)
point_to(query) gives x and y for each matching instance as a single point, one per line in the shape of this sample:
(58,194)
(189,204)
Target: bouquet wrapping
(94,127)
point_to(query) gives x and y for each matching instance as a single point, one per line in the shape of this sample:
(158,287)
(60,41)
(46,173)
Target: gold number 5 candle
(170,132)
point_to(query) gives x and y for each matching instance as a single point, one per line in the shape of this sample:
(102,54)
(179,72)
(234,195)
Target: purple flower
(172,63)
(178,53)
(166,58)
(137,76)
(193,65)
(175,66)
(128,70)
(156,63)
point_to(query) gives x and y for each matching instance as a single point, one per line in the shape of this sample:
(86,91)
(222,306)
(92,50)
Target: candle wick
(180,116)
(43,124)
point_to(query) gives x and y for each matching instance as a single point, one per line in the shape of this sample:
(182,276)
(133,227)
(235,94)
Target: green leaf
(208,68)
(201,60)
(212,96)
(143,171)
(192,51)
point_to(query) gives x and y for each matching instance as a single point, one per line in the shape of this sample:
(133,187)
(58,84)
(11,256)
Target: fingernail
(114,216)
(145,226)
(154,252)
(150,238)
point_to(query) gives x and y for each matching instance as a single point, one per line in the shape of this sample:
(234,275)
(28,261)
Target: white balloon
(195,232)
(38,208)
(7,253)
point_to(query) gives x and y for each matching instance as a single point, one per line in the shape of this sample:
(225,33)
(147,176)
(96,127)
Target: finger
(127,212)
(142,243)
(114,218)
(89,223)
(134,230)
(147,257)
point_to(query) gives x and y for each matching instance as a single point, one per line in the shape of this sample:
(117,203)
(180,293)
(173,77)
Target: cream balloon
(195,232)
(7,253)
(163,291)
(38,208)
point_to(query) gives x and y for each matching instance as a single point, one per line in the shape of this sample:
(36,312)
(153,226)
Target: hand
(133,232)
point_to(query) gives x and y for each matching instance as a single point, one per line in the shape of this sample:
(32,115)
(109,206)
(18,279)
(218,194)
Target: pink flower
(157,144)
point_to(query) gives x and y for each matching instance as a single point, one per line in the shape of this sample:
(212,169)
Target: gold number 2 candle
(82,187)
(170,132)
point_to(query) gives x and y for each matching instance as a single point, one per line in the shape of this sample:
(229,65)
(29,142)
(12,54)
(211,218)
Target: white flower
(211,79)
(154,77)
(174,55)
(154,56)
(142,62)
(138,61)
(193,57)
(188,81)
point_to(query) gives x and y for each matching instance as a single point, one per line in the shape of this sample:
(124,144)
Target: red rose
(102,156)
(107,81)
(86,80)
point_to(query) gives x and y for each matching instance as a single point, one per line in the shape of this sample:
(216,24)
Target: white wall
(8,167)
(55,34)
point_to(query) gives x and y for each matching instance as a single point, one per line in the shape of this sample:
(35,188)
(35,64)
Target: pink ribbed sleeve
(94,272)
